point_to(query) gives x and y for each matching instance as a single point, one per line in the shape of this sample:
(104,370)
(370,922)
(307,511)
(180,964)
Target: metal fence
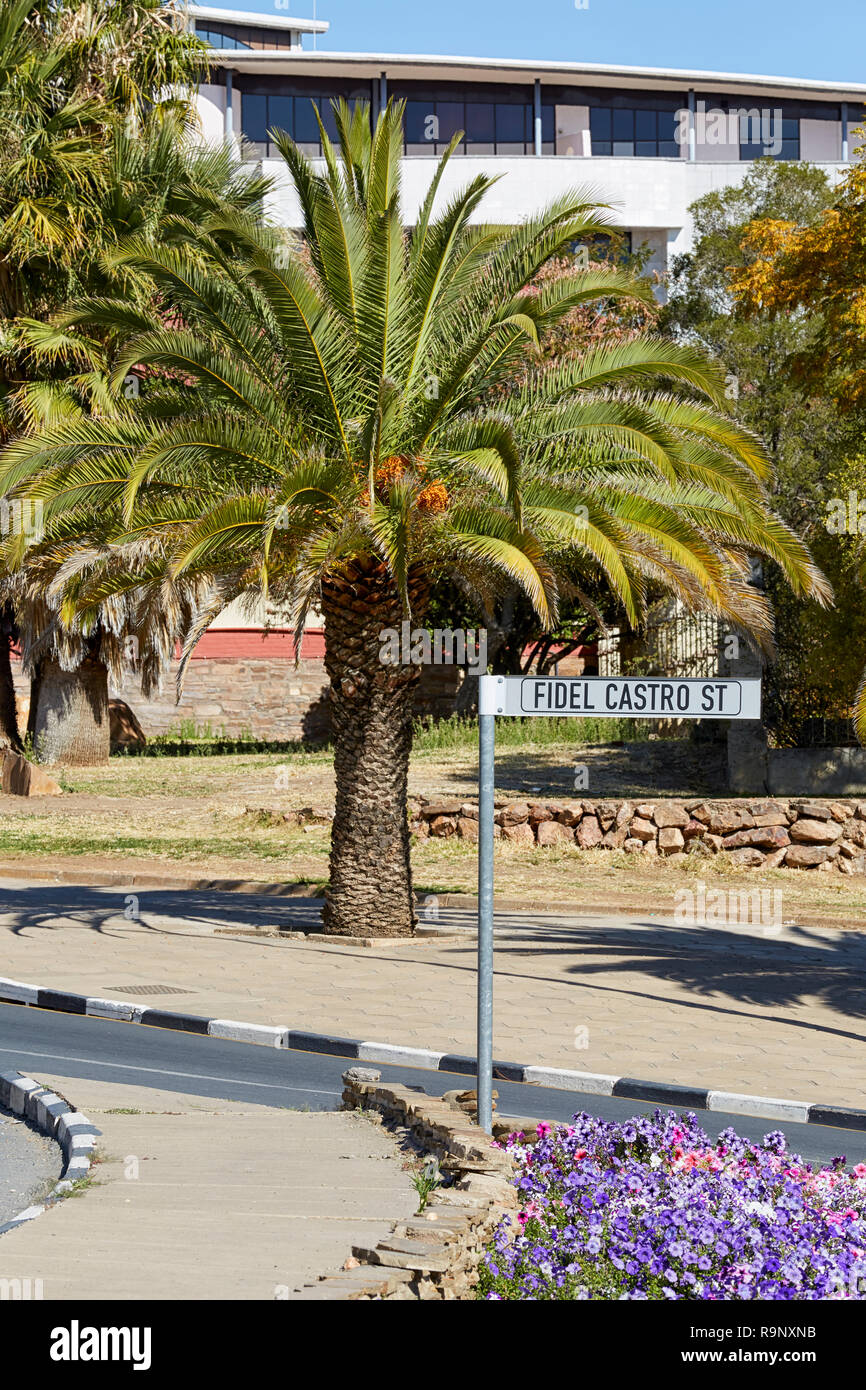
(686,644)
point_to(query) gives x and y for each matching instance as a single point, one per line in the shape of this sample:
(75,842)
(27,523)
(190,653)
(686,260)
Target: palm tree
(93,151)
(158,182)
(76,650)
(71,75)
(78,84)
(320,432)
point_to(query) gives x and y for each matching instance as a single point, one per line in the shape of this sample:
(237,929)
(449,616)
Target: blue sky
(797,38)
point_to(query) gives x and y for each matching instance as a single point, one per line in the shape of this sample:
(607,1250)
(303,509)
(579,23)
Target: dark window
(600,124)
(489,127)
(669,124)
(306,127)
(449,119)
(280,114)
(329,119)
(623,125)
(419,125)
(219,38)
(645,125)
(295,115)
(254,118)
(510,129)
(625,131)
(481,124)
(770,136)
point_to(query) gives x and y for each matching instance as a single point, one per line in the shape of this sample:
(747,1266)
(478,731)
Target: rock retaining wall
(436,1254)
(794,834)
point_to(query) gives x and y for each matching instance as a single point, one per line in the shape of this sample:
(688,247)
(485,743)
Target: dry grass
(189,817)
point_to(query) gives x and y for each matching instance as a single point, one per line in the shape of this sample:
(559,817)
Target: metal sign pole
(486,752)
(628,697)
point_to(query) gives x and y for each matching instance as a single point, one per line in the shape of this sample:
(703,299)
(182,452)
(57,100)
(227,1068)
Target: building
(652,140)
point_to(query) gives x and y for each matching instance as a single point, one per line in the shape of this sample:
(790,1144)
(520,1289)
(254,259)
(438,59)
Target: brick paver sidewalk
(725,1008)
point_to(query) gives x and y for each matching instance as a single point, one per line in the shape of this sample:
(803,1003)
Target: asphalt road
(37,1040)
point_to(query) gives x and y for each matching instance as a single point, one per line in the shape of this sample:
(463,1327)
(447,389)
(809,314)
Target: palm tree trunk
(370,890)
(9,734)
(72,724)
(35,683)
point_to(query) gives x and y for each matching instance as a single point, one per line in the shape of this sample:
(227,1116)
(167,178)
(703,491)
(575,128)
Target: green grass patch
(540,732)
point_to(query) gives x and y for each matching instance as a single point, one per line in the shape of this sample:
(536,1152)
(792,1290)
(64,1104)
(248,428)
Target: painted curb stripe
(71,1130)
(467,1066)
(183,1023)
(588,1083)
(16,992)
(557,1079)
(398,1056)
(231,1031)
(321,1042)
(506,1071)
(64,1003)
(111,1008)
(452,1061)
(631,1089)
(765,1107)
(837,1115)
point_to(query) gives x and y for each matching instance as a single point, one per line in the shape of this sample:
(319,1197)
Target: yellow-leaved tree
(819,269)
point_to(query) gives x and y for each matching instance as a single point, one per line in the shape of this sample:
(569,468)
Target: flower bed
(652,1209)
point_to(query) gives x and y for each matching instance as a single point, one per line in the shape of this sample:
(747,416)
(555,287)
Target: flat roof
(259,21)
(416,65)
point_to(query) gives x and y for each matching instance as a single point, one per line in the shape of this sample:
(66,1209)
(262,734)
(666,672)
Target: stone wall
(266,696)
(794,834)
(272,699)
(436,1254)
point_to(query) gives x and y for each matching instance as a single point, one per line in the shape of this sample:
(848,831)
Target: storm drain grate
(148,989)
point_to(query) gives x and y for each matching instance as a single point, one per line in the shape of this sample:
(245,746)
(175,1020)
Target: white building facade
(648,142)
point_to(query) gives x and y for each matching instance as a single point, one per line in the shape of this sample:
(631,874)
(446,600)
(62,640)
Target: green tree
(516,638)
(813,439)
(93,151)
(317,435)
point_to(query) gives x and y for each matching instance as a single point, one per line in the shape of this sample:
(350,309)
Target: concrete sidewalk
(732,1009)
(201,1199)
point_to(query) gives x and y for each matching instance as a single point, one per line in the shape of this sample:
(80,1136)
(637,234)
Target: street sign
(580,697)
(620,697)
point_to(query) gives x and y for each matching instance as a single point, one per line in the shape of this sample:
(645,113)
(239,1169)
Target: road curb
(357,1049)
(55,1118)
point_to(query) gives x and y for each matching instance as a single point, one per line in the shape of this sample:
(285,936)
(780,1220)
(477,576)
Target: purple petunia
(651,1209)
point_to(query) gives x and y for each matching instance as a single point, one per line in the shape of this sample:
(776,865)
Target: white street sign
(620,697)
